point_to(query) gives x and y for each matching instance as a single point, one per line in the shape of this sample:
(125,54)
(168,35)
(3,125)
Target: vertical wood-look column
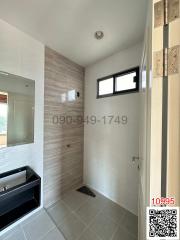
(173,159)
(166,86)
(156,102)
(63,143)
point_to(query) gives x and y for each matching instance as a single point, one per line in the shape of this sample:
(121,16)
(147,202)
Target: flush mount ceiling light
(99,35)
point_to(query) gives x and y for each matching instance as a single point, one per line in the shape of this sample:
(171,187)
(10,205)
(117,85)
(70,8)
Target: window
(106,86)
(119,83)
(3,119)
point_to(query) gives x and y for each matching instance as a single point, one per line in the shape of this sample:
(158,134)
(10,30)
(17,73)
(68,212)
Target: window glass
(125,82)
(3,118)
(106,86)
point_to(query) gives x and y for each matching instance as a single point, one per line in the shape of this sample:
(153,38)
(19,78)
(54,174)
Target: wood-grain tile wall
(63,143)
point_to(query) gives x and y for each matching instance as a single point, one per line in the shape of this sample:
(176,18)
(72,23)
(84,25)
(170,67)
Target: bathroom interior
(68,125)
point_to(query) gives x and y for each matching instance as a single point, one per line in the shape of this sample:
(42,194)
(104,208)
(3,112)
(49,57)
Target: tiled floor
(38,227)
(78,217)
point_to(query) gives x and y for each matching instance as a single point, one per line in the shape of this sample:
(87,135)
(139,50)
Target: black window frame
(114,76)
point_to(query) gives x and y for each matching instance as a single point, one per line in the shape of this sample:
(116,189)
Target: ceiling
(68,26)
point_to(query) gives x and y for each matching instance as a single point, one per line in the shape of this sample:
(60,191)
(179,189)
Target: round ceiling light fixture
(99,35)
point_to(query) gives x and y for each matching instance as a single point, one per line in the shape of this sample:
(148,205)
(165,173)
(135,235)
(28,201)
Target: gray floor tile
(71,227)
(16,234)
(131,223)
(123,234)
(89,235)
(58,212)
(31,218)
(38,227)
(54,235)
(99,200)
(74,199)
(1,237)
(104,226)
(114,211)
(10,232)
(88,211)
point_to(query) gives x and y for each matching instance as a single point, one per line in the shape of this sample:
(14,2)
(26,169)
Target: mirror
(17,99)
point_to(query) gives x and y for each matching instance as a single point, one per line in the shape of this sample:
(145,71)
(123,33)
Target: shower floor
(78,217)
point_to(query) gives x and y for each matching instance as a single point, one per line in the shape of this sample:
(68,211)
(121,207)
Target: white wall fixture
(72,95)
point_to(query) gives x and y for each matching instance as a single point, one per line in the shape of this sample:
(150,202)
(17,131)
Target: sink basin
(12,180)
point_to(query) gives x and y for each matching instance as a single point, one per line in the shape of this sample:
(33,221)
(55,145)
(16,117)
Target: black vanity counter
(20,193)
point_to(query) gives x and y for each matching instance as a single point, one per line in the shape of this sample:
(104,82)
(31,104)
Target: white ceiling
(68,26)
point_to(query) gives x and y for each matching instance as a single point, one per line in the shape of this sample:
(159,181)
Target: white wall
(22,55)
(108,149)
